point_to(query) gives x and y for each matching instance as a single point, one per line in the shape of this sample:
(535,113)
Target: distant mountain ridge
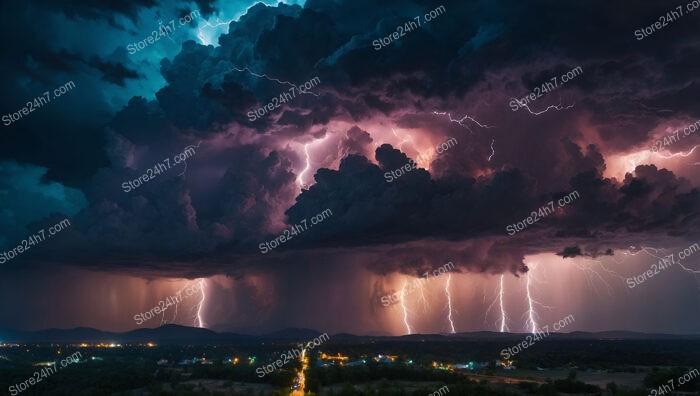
(172,333)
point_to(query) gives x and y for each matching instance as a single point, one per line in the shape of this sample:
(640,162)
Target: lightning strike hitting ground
(531,320)
(503,322)
(462,120)
(504,318)
(555,107)
(532,316)
(449,303)
(405,310)
(200,322)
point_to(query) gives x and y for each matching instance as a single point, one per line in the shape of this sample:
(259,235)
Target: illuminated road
(300,382)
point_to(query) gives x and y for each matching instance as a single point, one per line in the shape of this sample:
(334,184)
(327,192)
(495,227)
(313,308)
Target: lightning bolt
(200,322)
(531,321)
(499,297)
(504,326)
(591,274)
(404,140)
(462,120)
(185,161)
(493,151)
(422,297)
(449,304)
(657,251)
(300,178)
(160,25)
(552,107)
(265,76)
(679,154)
(532,316)
(219,23)
(403,307)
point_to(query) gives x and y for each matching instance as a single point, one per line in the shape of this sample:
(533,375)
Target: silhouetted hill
(294,333)
(171,334)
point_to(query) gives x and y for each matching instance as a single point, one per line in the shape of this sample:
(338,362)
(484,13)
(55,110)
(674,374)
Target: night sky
(614,134)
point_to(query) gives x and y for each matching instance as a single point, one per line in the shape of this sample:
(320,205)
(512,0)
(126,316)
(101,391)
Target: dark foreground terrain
(182,361)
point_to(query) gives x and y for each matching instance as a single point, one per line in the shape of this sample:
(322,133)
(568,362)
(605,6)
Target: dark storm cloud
(87,9)
(115,73)
(242,183)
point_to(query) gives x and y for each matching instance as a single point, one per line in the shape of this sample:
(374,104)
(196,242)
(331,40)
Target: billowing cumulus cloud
(343,144)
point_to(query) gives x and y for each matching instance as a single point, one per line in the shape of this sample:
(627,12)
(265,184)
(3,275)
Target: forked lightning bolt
(422,296)
(300,178)
(532,316)
(531,320)
(404,140)
(649,250)
(219,23)
(679,154)
(265,76)
(552,107)
(504,317)
(591,273)
(198,321)
(462,121)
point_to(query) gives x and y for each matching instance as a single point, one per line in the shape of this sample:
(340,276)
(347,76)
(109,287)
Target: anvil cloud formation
(372,111)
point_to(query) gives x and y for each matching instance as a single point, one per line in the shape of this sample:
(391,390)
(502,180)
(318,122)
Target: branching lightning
(532,316)
(197,318)
(449,304)
(422,297)
(531,321)
(404,140)
(678,154)
(265,76)
(462,121)
(300,178)
(592,273)
(219,23)
(656,251)
(552,107)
